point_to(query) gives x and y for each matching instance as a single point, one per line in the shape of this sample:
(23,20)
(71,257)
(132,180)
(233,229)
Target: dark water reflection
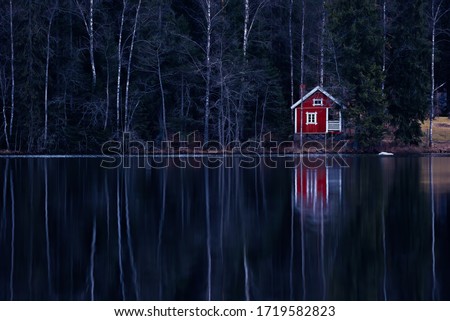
(376,230)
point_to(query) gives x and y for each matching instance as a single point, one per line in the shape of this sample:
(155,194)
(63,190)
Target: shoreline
(253,153)
(439,148)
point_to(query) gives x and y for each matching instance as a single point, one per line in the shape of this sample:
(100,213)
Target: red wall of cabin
(308,107)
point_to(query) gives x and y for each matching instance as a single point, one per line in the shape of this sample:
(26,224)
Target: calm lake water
(378,229)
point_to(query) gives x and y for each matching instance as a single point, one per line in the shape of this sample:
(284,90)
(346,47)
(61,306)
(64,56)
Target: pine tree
(357,33)
(407,79)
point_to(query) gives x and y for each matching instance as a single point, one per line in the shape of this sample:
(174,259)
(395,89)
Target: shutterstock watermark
(191,152)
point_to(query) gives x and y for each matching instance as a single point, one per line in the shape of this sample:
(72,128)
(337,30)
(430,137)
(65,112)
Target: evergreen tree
(408,77)
(358,36)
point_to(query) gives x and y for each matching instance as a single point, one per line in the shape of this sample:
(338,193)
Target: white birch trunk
(91,42)
(208,70)
(322,45)
(88,20)
(163,98)
(433,48)
(384,43)
(291,55)
(47,63)
(246,21)
(129,67)
(302,71)
(107,95)
(5,121)
(119,67)
(11,121)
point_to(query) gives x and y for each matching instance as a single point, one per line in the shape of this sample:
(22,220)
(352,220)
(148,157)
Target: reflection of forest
(71,230)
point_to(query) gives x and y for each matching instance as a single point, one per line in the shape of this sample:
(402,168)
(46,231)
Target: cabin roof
(312,92)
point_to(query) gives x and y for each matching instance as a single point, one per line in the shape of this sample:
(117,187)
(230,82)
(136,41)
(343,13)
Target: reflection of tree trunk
(107,206)
(208,231)
(130,246)
(13,231)
(302,231)
(433,229)
(223,210)
(5,185)
(92,261)
(291,260)
(383,225)
(160,233)
(47,237)
(119,236)
(247,276)
(322,253)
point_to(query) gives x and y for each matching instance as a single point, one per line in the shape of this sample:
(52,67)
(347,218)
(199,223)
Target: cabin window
(311,118)
(318,102)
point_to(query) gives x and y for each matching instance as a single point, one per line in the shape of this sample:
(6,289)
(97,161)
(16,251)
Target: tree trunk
(47,63)
(433,48)
(129,67)
(163,99)
(91,42)
(107,95)
(322,45)
(119,67)
(5,121)
(384,43)
(246,21)
(11,121)
(208,71)
(291,55)
(89,25)
(302,71)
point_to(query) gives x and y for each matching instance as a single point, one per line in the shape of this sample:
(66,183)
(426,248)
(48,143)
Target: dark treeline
(76,73)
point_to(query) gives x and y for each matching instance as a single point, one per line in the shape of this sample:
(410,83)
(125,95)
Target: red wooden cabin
(317,113)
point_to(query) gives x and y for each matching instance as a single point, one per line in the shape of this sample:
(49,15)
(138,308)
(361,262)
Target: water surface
(375,230)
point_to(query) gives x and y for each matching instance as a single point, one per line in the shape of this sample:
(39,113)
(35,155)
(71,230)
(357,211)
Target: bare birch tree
(302,70)
(3,89)
(437,13)
(129,67)
(47,63)
(322,44)
(119,65)
(11,33)
(208,17)
(291,54)
(87,15)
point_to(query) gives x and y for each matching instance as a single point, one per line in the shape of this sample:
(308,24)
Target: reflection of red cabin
(311,186)
(317,113)
(317,187)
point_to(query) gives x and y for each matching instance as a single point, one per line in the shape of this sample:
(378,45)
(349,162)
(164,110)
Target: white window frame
(311,118)
(318,102)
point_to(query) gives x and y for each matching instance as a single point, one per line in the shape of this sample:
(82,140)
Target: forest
(77,73)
